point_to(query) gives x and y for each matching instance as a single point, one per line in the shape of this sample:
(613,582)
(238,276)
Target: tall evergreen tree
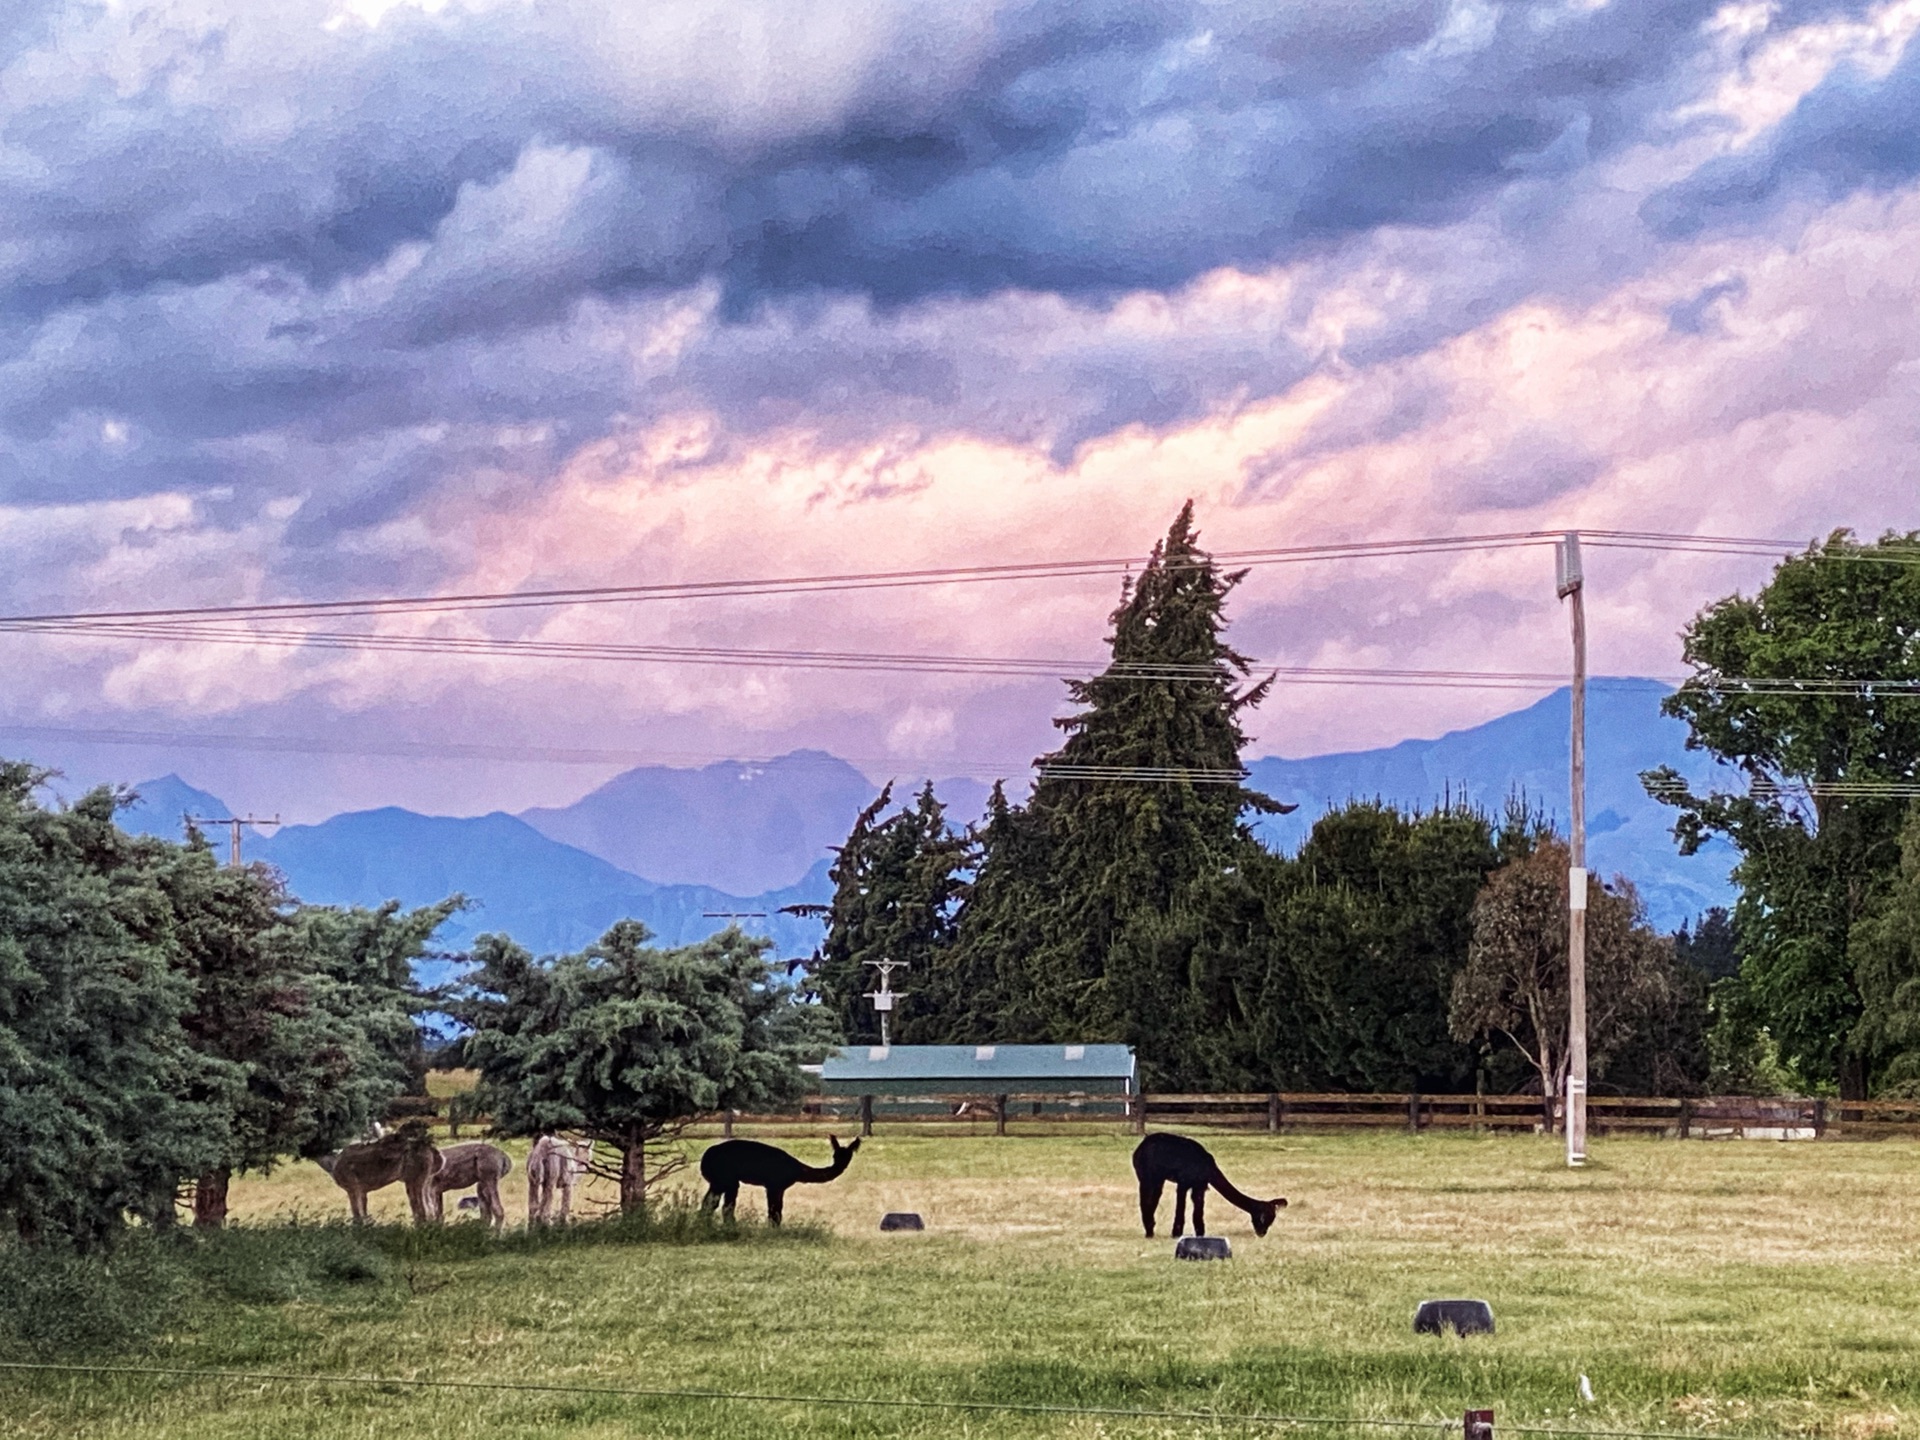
(898,884)
(105,1105)
(1142,809)
(322,1042)
(985,992)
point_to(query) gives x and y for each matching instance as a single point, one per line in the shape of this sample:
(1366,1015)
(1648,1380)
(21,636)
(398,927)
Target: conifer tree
(105,1105)
(626,1042)
(898,883)
(1142,809)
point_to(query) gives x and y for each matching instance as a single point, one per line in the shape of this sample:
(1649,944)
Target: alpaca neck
(1231,1195)
(820,1174)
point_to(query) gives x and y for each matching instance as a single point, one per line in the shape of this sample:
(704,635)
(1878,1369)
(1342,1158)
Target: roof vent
(877,1052)
(1076,1052)
(983,1052)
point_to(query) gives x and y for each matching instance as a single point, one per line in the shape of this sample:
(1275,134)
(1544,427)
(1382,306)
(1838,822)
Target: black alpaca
(1188,1164)
(733,1163)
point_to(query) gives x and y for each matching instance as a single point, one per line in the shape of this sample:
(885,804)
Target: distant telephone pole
(235,822)
(1571,585)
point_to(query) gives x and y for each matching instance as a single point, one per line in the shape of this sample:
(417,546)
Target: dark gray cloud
(1853,132)
(273,258)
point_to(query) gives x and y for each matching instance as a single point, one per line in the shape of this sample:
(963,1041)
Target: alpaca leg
(566,1196)
(357,1203)
(492,1203)
(728,1197)
(1179,1210)
(776,1203)
(1150,1192)
(1200,1211)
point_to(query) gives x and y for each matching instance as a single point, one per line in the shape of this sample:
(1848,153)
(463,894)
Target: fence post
(1138,1104)
(1273,1110)
(726,1124)
(999,1114)
(1413,1112)
(866,1114)
(1686,1118)
(1819,1118)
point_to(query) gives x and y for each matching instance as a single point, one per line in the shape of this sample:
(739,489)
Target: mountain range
(689,851)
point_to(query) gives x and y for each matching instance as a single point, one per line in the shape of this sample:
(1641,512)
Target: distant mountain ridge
(735,842)
(1525,753)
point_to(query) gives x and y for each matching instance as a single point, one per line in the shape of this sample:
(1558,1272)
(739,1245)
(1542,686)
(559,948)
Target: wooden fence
(1710,1118)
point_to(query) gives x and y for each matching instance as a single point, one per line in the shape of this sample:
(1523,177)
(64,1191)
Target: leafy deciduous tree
(1515,981)
(1815,738)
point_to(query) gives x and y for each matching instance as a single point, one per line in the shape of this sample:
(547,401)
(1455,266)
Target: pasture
(1733,1288)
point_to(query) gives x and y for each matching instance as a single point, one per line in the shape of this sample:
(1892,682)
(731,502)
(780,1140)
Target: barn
(1026,1070)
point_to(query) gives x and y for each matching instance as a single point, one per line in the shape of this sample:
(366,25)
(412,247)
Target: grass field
(1735,1288)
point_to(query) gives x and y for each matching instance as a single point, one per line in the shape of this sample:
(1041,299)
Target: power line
(1018,667)
(889,579)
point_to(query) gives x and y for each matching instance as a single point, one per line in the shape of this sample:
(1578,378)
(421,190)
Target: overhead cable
(889,579)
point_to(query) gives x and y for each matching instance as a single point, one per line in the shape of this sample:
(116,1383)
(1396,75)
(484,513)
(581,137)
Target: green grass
(1738,1288)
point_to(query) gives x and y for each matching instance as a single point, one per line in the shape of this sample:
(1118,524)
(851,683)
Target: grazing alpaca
(1162,1157)
(733,1163)
(406,1155)
(474,1164)
(552,1167)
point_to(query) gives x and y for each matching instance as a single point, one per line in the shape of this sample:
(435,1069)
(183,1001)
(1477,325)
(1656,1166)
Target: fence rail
(1706,1118)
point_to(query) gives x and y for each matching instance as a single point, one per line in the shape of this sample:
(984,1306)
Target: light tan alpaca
(552,1167)
(474,1165)
(406,1155)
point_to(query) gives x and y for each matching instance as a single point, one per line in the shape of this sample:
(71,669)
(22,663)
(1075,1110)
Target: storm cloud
(317,297)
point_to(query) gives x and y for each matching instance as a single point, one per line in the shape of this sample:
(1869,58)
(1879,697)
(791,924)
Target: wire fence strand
(1007,1407)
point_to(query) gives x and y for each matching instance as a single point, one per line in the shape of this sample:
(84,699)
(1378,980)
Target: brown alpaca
(475,1164)
(553,1165)
(406,1155)
(1191,1167)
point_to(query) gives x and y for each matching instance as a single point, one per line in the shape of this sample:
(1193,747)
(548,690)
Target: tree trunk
(210,1198)
(1853,1077)
(633,1172)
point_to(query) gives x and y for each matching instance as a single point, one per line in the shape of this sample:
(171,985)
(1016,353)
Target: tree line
(1127,899)
(167,1022)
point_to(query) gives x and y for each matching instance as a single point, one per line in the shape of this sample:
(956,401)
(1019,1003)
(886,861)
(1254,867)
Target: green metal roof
(969,1067)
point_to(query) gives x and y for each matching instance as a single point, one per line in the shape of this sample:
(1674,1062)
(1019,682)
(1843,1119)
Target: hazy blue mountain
(746,828)
(1526,753)
(548,896)
(716,832)
(164,802)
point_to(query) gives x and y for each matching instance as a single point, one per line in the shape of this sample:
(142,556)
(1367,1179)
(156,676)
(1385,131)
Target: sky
(318,300)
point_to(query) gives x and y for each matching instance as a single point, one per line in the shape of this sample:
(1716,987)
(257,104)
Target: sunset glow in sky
(317,300)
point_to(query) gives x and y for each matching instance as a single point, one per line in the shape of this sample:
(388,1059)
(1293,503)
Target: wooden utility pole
(1571,586)
(234,822)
